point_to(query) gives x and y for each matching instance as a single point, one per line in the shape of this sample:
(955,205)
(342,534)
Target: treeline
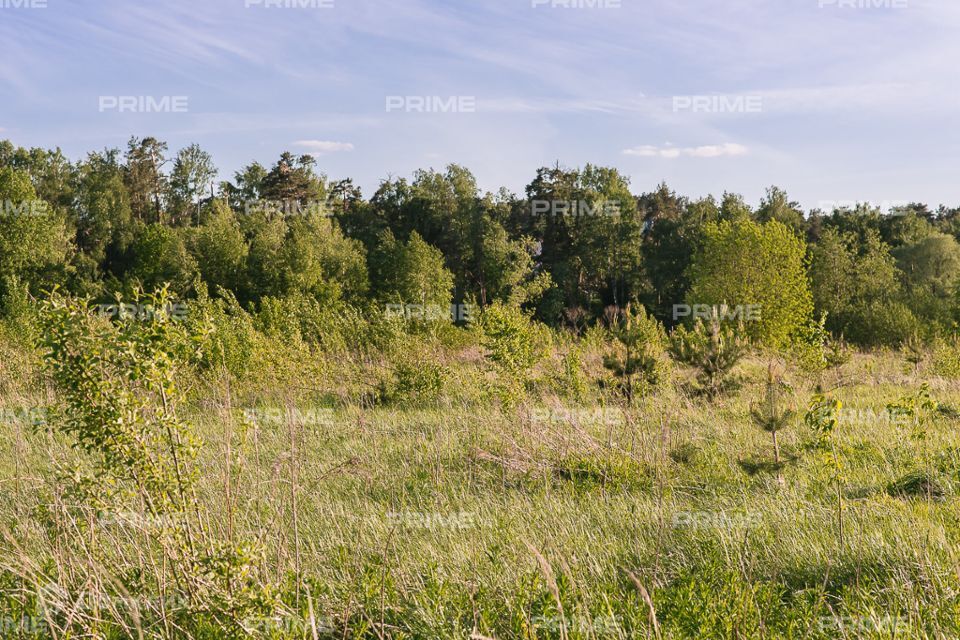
(575,244)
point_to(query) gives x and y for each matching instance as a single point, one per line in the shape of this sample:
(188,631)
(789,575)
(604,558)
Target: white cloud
(706,151)
(317,147)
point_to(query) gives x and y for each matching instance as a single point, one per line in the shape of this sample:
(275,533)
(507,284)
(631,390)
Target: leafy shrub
(946,358)
(118,382)
(233,343)
(279,318)
(882,323)
(808,345)
(513,348)
(419,383)
(570,380)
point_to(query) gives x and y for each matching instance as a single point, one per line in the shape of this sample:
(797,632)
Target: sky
(831,100)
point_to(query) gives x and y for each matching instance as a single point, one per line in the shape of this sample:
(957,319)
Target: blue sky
(857,102)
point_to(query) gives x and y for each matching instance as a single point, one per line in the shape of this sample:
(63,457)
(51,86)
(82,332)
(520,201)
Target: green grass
(464,519)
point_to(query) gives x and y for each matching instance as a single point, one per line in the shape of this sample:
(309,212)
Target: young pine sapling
(773,416)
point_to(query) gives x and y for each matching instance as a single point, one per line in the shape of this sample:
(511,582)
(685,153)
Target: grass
(463,519)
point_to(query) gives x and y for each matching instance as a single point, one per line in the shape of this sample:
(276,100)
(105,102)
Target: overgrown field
(411,493)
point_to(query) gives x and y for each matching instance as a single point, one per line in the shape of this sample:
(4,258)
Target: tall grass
(457,515)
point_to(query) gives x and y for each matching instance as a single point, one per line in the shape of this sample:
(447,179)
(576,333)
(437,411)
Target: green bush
(881,323)
(513,347)
(714,348)
(946,358)
(415,383)
(637,358)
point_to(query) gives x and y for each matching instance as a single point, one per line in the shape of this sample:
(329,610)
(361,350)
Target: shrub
(637,359)
(418,383)
(571,380)
(118,383)
(279,318)
(882,323)
(513,348)
(714,348)
(233,343)
(946,358)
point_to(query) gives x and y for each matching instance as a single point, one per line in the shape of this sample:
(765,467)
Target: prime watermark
(431,104)
(577,4)
(143,312)
(30,416)
(862,626)
(289,4)
(577,416)
(883,205)
(740,312)
(716,520)
(140,521)
(424,520)
(24,209)
(23,4)
(863,4)
(574,208)
(290,208)
(579,624)
(718,104)
(275,416)
(11,626)
(56,598)
(887,416)
(145,104)
(285,626)
(430,312)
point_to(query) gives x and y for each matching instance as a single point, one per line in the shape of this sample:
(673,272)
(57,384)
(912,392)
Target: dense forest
(577,243)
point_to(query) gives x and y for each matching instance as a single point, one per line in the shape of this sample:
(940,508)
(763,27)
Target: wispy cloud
(705,151)
(321,147)
(564,105)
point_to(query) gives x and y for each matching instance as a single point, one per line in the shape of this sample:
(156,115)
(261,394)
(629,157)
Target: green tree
(638,343)
(158,256)
(754,267)
(513,348)
(144,177)
(293,180)
(219,248)
(191,177)
(856,283)
(34,242)
(590,232)
(714,347)
(777,206)
(303,254)
(102,215)
(411,272)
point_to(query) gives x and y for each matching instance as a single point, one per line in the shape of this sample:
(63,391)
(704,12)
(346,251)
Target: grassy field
(463,518)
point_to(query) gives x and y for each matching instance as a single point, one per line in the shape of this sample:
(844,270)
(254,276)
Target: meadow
(401,494)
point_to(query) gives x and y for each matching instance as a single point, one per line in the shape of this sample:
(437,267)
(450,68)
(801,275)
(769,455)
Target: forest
(577,243)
